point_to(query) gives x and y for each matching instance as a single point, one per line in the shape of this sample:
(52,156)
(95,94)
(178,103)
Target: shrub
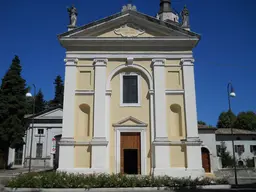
(249,162)
(65,180)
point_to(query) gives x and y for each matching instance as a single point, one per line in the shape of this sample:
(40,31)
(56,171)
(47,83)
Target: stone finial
(185,17)
(72,17)
(129,7)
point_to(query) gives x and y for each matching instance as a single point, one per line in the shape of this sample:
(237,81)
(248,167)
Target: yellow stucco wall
(118,113)
(83,129)
(84,119)
(178,156)
(85,75)
(173,76)
(175,119)
(82,156)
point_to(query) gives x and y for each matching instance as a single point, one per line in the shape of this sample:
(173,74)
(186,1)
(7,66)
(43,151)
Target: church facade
(129,99)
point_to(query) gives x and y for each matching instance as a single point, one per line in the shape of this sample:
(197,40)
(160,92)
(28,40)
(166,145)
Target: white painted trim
(142,39)
(139,67)
(142,131)
(115,55)
(122,104)
(174,92)
(84,92)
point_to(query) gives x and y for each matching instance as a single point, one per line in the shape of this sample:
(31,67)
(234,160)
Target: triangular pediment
(55,113)
(129,24)
(130,122)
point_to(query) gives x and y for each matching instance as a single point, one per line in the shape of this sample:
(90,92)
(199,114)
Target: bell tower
(166,12)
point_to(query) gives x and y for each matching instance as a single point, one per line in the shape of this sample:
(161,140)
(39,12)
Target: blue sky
(226,52)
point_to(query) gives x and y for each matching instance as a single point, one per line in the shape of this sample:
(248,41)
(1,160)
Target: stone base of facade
(180,172)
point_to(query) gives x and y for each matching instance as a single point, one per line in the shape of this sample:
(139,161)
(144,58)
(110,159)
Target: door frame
(209,158)
(143,148)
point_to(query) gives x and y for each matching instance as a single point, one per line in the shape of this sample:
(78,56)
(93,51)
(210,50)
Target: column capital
(100,62)
(158,62)
(187,62)
(71,61)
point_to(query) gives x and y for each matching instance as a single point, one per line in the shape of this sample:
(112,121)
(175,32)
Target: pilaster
(190,98)
(66,154)
(194,159)
(162,158)
(99,141)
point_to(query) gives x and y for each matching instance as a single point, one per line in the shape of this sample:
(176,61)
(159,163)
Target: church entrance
(206,160)
(130,153)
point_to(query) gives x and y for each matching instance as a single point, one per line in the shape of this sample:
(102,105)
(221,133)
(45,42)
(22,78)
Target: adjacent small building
(47,125)
(212,140)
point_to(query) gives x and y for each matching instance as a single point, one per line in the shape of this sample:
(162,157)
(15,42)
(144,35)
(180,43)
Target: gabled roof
(136,15)
(44,113)
(227,131)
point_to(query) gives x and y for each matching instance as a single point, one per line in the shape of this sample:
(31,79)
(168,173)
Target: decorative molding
(84,92)
(71,61)
(158,62)
(169,65)
(129,7)
(138,122)
(143,140)
(174,92)
(123,66)
(82,143)
(67,141)
(108,92)
(129,60)
(187,62)
(181,142)
(100,62)
(149,55)
(99,141)
(151,92)
(129,30)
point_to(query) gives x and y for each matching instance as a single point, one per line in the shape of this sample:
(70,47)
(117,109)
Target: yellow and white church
(129,99)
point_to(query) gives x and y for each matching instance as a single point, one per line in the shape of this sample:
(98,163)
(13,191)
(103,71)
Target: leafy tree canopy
(246,120)
(201,123)
(226,120)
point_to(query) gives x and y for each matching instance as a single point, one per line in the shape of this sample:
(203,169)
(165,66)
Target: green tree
(12,108)
(201,123)
(226,120)
(59,92)
(39,102)
(246,120)
(226,159)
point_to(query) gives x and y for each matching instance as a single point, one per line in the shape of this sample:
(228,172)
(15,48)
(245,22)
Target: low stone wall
(241,172)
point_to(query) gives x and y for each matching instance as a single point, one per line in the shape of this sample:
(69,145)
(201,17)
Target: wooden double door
(130,147)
